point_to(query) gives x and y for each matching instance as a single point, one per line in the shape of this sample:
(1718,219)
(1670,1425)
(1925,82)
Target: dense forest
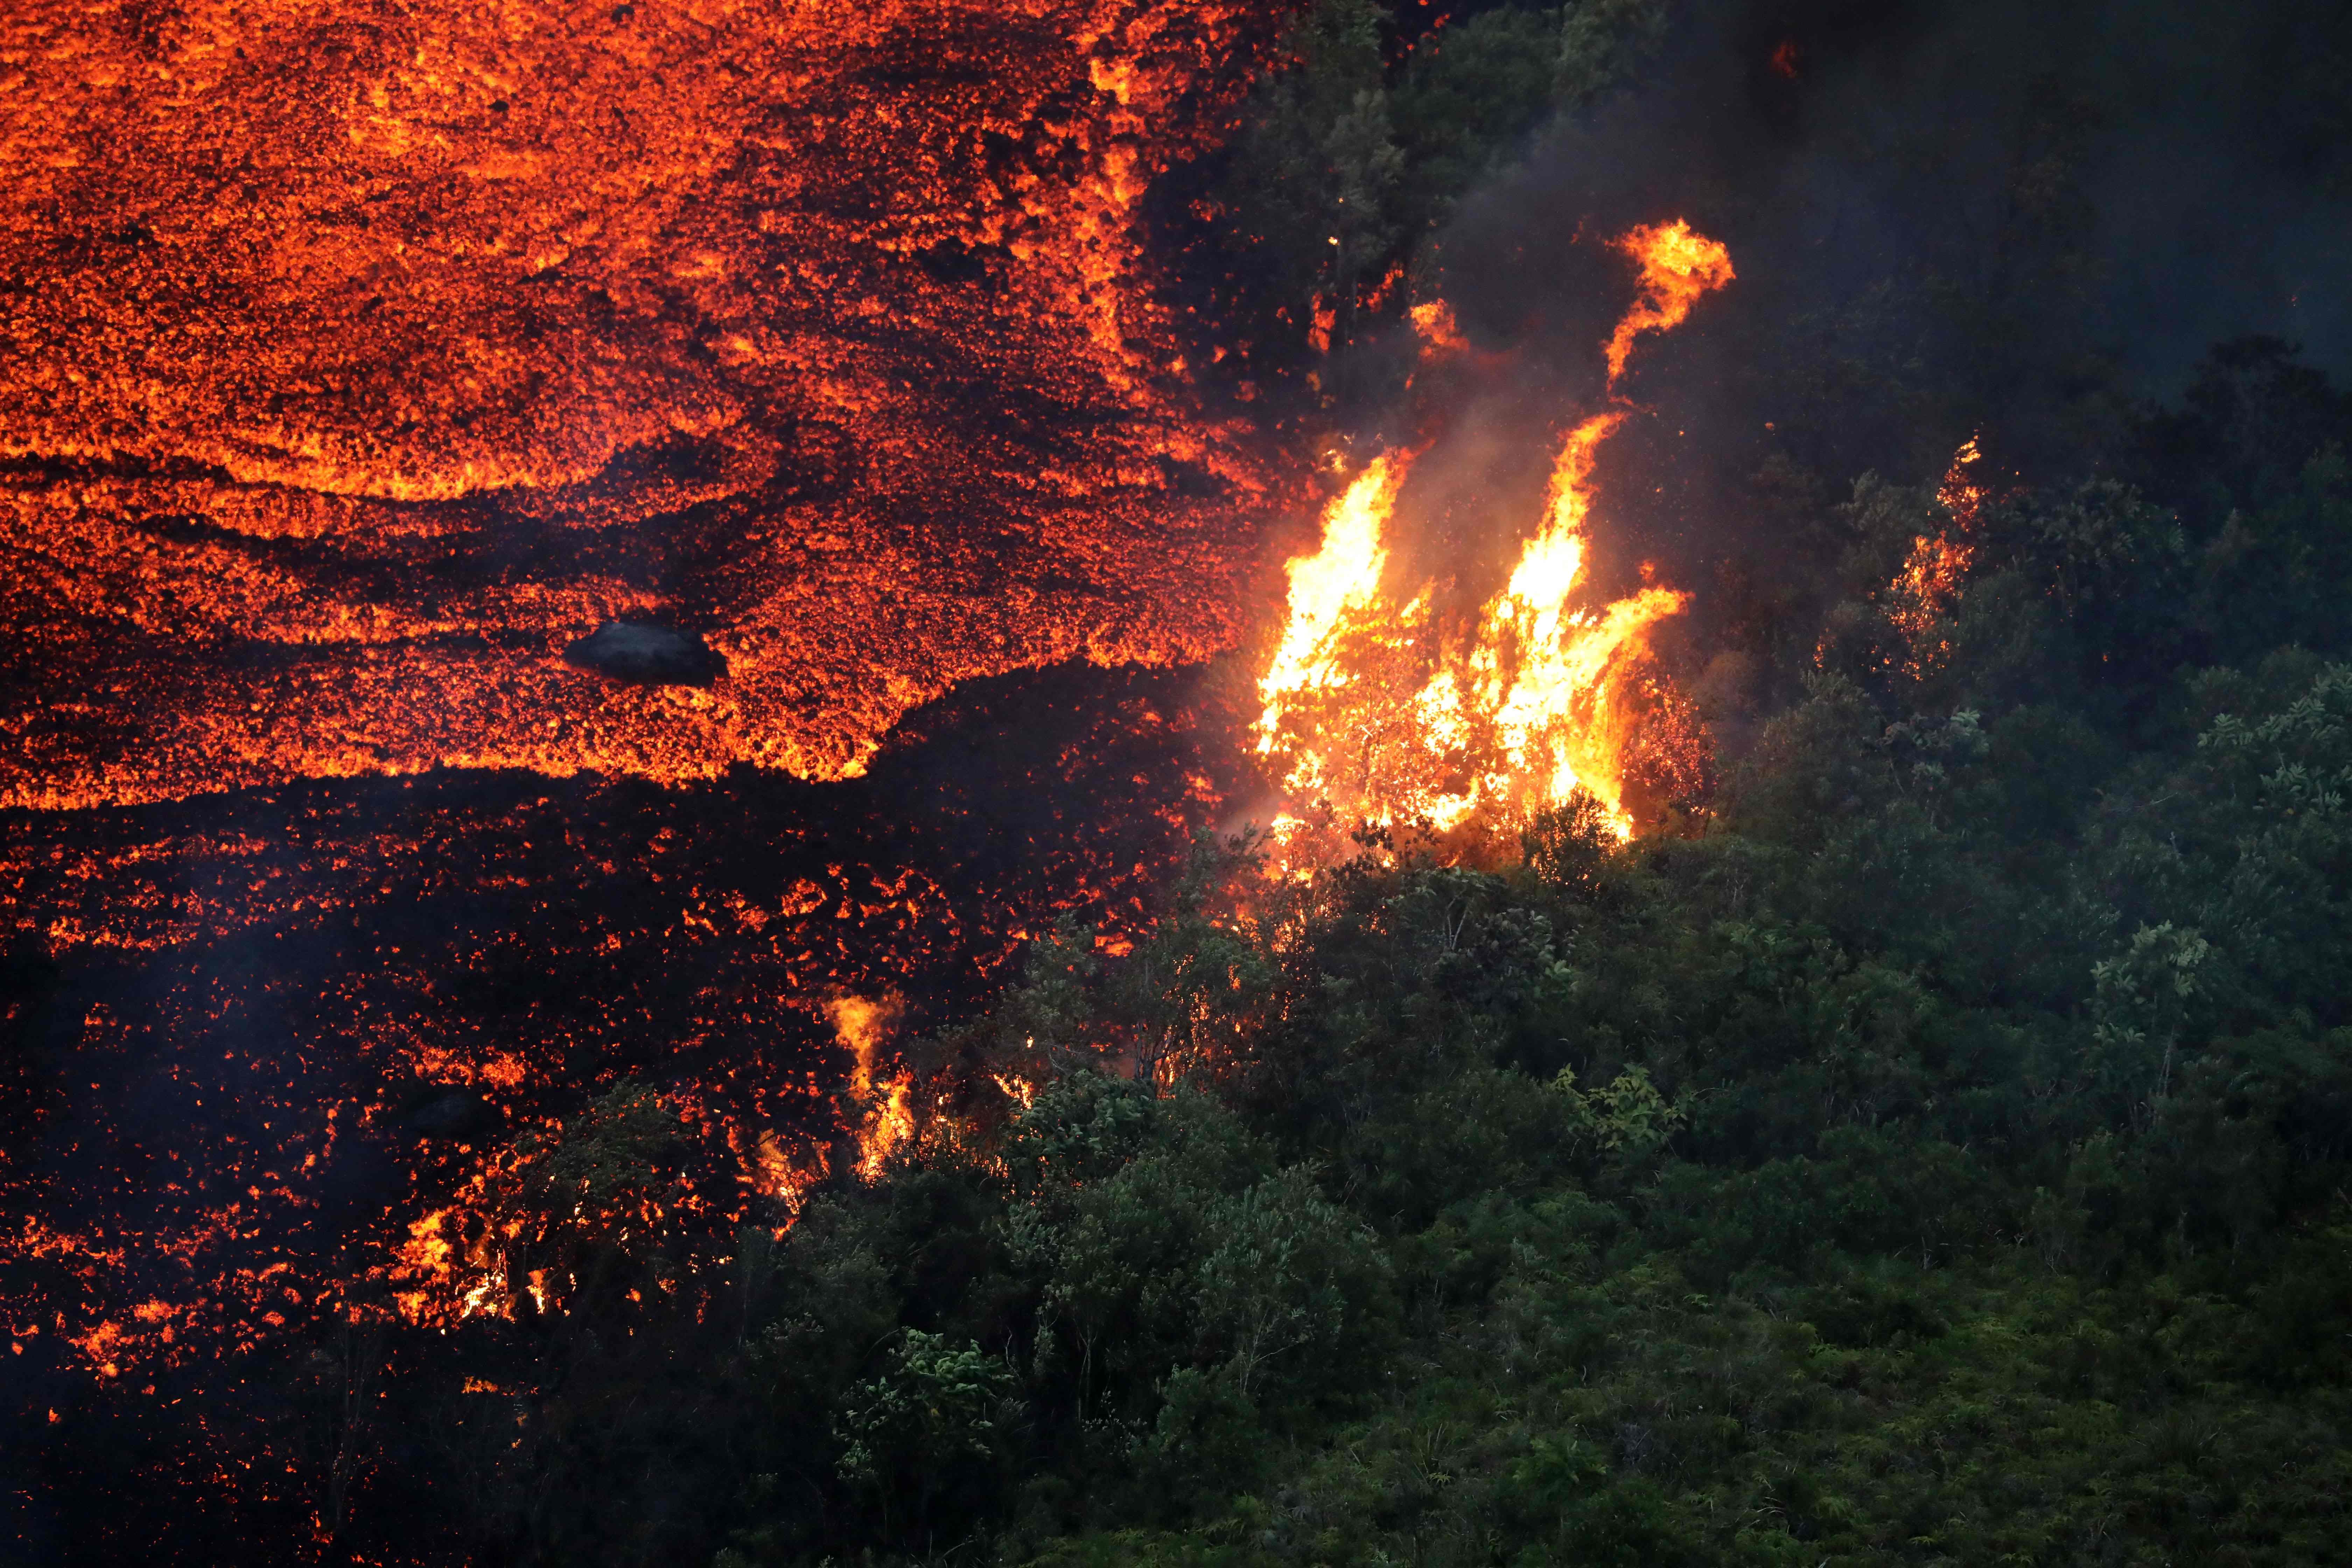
(1933,1149)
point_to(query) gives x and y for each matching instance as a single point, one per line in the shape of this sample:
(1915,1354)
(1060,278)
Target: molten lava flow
(1374,719)
(293,1044)
(357,361)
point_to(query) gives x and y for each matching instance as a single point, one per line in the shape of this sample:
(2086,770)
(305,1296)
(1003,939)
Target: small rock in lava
(647,655)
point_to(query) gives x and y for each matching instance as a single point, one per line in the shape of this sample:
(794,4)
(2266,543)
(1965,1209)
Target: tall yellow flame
(860,1023)
(1339,582)
(1533,707)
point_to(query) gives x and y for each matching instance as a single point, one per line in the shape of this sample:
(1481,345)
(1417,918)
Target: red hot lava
(357,361)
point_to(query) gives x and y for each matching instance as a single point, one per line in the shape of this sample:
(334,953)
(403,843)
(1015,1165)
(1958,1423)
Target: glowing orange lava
(358,360)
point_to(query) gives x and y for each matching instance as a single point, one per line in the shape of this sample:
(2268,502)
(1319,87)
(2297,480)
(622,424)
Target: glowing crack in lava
(355,360)
(1372,719)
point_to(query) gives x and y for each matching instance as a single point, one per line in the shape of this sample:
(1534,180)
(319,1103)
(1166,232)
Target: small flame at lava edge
(860,1025)
(1373,723)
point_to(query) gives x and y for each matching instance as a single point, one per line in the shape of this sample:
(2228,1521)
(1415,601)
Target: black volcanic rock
(646,654)
(457,1114)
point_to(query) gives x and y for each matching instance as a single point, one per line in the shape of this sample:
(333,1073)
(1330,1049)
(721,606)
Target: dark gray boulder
(647,655)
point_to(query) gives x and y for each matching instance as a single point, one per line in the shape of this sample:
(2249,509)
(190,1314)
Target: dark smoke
(2028,219)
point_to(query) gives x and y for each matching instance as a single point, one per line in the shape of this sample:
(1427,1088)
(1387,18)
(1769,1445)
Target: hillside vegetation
(1942,1159)
(1937,1154)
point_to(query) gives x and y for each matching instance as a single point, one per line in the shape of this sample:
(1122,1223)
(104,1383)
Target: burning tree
(574,1215)
(1374,713)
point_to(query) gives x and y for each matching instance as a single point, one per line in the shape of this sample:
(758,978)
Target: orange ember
(1433,320)
(1372,717)
(1925,591)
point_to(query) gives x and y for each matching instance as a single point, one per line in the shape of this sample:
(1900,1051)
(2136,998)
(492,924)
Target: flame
(1433,321)
(1339,582)
(1679,266)
(776,1173)
(860,1023)
(1326,316)
(1377,721)
(1928,585)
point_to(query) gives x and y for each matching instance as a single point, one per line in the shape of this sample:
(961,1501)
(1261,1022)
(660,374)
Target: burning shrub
(586,1216)
(1567,844)
(1379,712)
